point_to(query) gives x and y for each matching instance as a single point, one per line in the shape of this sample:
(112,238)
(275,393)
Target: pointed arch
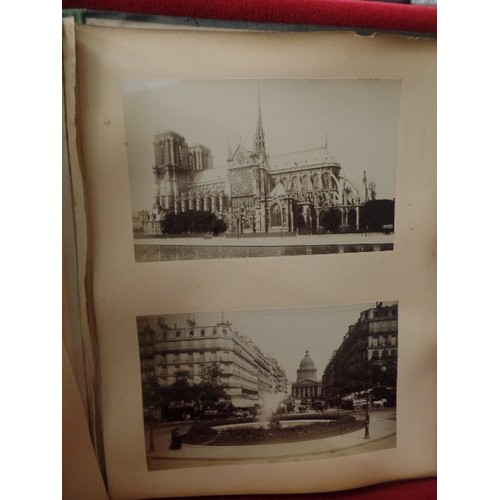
(315,181)
(352,219)
(326,180)
(305,183)
(276,216)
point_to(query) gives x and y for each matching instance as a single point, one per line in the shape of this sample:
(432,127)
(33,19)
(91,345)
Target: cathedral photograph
(268,385)
(250,168)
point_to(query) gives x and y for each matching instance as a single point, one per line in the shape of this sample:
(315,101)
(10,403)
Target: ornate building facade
(369,349)
(254,192)
(306,388)
(246,372)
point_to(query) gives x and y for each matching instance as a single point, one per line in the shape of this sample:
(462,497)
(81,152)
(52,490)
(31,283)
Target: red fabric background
(339,13)
(377,16)
(417,489)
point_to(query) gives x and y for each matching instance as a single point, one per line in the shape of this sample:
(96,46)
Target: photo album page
(260,222)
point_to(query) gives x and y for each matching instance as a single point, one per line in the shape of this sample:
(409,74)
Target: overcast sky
(285,334)
(358,118)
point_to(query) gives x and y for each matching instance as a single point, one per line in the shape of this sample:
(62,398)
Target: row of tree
(193,221)
(373,216)
(367,375)
(209,394)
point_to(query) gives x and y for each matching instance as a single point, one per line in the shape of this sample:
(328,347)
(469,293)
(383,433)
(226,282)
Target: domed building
(307,388)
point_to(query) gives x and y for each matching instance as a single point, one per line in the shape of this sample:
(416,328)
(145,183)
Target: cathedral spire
(258,142)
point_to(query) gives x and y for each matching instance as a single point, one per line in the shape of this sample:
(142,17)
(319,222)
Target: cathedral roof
(210,176)
(305,158)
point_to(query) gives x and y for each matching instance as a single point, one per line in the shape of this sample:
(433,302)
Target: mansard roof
(306,158)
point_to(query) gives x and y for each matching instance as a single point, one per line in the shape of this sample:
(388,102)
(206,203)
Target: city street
(382,436)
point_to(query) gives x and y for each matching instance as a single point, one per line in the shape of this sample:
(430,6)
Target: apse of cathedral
(255,192)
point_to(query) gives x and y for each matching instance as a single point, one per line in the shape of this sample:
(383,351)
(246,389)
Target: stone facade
(247,373)
(253,192)
(372,342)
(306,388)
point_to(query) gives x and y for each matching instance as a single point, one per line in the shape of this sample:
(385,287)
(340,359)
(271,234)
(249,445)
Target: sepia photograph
(268,386)
(260,168)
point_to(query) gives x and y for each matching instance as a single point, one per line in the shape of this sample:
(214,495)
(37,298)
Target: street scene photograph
(260,168)
(268,386)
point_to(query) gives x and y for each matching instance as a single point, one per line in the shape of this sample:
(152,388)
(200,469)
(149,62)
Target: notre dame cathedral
(256,192)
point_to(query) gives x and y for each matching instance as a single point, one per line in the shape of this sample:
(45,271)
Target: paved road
(382,435)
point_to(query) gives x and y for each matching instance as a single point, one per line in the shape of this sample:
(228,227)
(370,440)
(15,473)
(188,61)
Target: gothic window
(351,218)
(305,184)
(162,153)
(326,180)
(276,215)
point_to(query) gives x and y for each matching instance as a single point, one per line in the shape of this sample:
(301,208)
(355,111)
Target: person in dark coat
(175,441)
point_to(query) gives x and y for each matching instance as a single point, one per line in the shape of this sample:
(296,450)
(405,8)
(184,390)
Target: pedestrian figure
(175,442)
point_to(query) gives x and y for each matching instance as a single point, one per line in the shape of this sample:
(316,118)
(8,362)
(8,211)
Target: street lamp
(367,416)
(381,369)
(151,448)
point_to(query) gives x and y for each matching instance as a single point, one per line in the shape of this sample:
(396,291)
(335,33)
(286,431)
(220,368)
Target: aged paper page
(125,289)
